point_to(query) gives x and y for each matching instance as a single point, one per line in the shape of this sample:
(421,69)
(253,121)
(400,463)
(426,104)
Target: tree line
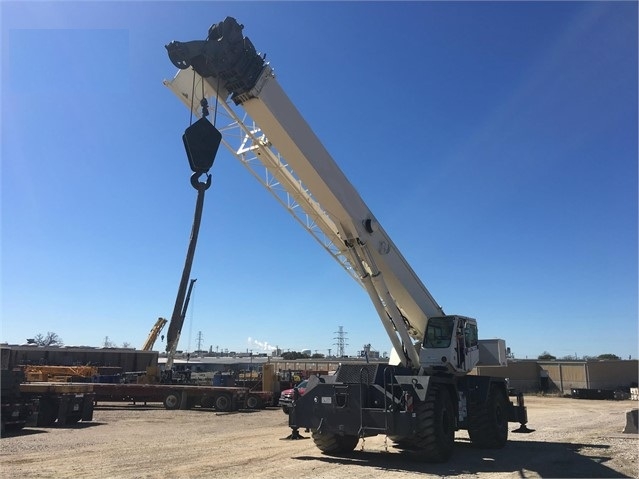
(546,356)
(52,339)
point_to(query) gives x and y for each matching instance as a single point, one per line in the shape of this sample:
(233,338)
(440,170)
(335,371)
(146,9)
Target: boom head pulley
(226,55)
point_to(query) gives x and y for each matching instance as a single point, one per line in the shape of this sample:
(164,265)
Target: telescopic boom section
(230,65)
(175,328)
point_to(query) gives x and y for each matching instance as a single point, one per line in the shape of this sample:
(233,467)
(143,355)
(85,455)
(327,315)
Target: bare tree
(50,339)
(546,356)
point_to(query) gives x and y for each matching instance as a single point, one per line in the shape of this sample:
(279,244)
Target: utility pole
(341,341)
(200,337)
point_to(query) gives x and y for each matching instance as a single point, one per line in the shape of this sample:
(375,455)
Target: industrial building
(128,359)
(562,376)
(552,377)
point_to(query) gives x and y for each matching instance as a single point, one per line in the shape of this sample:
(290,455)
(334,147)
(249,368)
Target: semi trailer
(42,404)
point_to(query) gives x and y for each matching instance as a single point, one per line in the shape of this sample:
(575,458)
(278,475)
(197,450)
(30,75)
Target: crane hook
(197,184)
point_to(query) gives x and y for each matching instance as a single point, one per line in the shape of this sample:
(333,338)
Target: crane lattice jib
(267,134)
(246,142)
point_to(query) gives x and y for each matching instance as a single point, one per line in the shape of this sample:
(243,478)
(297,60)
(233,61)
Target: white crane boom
(308,174)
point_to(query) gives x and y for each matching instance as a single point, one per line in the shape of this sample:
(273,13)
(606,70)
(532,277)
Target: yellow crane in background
(153,335)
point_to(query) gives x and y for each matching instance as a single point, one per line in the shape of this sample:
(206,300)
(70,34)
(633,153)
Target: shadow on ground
(128,407)
(547,459)
(30,430)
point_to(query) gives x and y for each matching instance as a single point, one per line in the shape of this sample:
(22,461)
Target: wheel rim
(171,401)
(222,403)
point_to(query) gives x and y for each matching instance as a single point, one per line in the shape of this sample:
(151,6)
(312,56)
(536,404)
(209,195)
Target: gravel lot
(572,438)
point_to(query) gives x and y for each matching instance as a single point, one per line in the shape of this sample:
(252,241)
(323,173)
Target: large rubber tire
(254,402)
(223,403)
(47,412)
(434,440)
(401,442)
(488,426)
(334,444)
(286,409)
(172,400)
(15,426)
(74,418)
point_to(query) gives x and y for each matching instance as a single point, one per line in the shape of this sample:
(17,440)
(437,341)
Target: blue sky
(495,142)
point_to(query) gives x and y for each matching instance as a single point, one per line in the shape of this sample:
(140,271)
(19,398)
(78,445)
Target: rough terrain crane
(425,393)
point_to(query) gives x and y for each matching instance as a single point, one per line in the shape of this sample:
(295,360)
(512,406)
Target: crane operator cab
(450,344)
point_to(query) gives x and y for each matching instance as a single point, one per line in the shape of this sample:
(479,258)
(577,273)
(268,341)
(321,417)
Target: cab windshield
(439,332)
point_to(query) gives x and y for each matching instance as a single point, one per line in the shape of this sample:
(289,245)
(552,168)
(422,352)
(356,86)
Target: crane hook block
(201,141)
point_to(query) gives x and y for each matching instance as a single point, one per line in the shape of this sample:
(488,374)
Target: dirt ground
(572,438)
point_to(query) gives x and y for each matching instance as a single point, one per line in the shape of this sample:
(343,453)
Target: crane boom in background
(153,334)
(175,329)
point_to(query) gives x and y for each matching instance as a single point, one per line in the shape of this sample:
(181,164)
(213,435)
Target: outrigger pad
(523,429)
(295,434)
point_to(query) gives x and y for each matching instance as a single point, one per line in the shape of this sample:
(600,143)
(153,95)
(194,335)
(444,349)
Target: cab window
(470,335)
(439,332)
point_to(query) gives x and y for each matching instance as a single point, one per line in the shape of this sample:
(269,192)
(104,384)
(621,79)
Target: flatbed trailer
(184,396)
(59,403)
(15,408)
(258,399)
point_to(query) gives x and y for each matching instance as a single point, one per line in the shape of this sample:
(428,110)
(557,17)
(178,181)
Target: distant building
(369,352)
(557,376)
(562,376)
(128,359)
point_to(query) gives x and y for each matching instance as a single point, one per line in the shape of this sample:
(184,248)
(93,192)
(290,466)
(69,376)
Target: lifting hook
(197,184)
